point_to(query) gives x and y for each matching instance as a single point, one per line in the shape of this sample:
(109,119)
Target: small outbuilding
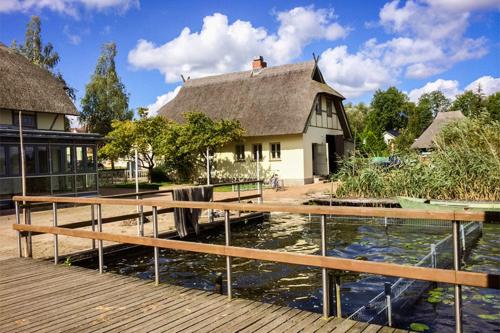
(295,123)
(426,141)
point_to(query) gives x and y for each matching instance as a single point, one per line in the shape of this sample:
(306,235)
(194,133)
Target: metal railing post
(18,221)
(387,289)
(29,241)
(156,249)
(338,300)
(433,256)
(456,266)
(99,229)
(462,229)
(56,240)
(324,271)
(239,198)
(92,217)
(228,258)
(140,225)
(259,191)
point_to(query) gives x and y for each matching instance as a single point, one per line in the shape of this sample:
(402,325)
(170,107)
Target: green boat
(418,203)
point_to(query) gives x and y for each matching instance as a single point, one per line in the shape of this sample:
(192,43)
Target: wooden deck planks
(37,296)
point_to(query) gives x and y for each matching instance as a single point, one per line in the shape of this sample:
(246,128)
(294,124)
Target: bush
(465,165)
(158,175)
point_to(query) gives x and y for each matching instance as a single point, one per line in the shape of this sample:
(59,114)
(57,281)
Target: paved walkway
(36,296)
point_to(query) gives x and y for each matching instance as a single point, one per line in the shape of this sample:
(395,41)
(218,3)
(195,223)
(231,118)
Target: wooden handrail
(474,279)
(298,209)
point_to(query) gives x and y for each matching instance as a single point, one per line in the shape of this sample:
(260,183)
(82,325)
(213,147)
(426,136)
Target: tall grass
(465,165)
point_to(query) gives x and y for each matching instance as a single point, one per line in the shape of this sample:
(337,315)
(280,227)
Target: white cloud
(68,7)
(354,74)
(221,47)
(429,40)
(162,100)
(449,88)
(73,38)
(489,85)
(465,5)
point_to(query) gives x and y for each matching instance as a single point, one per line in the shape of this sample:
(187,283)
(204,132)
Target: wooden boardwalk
(37,296)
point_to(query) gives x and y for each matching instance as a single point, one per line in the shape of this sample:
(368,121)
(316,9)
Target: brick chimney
(258,63)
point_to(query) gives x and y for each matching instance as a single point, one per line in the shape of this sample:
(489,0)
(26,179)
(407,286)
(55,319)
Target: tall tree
(470,103)
(493,106)
(105,97)
(41,55)
(389,111)
(433,103)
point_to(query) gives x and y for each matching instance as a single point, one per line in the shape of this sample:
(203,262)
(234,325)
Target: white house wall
(290,167)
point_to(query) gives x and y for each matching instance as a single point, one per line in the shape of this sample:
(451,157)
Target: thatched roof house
(283,109)
(30,88)
(272,101)
(426,140)
(57,162)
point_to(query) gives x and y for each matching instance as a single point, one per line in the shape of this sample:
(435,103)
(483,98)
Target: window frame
(276,151)
(25,115)
(254,151)
(239,152)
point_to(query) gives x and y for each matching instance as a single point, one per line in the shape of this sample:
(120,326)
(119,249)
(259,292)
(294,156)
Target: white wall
(290,167)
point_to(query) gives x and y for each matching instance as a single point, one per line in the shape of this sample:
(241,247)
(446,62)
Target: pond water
(300,286)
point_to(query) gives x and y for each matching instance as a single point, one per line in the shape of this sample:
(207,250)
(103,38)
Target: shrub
(158,175)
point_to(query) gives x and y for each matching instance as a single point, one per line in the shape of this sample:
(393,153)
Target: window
(240,152)
(80,162)
(329,106)
(67,159)
(257,151)
(43,159)
(275,151)
(90,158)
(62,159)
(29,119)
(3,160)
(14,161)
(29,159)
(56,158)
(318,106)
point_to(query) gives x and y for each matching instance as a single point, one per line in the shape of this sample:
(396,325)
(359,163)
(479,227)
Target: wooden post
(324,271)
(18,221)
(99,229)
(456,266)
(228,258)
(156,249)
(56,241)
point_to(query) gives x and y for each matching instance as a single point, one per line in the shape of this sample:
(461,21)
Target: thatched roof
(273,101)
(27,87)
(426,140)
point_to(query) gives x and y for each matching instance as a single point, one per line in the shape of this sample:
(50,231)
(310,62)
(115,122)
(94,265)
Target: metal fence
(404,292)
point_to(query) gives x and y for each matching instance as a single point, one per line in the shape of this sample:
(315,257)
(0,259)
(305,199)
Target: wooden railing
(455,276)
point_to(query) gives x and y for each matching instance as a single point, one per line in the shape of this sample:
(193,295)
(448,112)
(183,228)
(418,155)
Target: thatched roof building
(426,140)
(27,87)
(267,101)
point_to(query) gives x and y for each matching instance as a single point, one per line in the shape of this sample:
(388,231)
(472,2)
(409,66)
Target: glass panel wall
(3,160)
(14,161)
(43,159)
(63,184)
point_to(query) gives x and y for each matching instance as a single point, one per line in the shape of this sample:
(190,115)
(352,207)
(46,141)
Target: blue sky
(418,46)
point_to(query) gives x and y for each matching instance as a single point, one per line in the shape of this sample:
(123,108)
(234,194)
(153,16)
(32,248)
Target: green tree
(185,146)
(432,103)
(39,54)
(372,143)
(389,111)
(493,106)
(105,97)
(145,134)
(470,103)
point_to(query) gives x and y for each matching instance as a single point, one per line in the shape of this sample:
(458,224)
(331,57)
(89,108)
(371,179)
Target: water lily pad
(434,299)
(489,316)
(419,327)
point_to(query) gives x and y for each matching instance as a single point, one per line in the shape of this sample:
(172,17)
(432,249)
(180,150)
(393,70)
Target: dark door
(335,151)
